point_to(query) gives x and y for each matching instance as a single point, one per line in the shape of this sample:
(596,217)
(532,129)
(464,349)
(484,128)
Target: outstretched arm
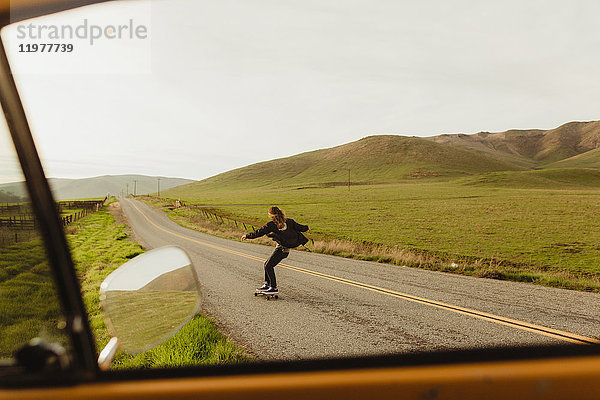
(266,229)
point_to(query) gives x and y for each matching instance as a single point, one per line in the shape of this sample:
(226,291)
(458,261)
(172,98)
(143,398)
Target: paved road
(335,307)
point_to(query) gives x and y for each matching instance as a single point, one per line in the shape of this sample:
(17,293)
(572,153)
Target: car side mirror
(147,300)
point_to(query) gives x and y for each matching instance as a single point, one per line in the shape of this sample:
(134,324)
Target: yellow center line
(541,330)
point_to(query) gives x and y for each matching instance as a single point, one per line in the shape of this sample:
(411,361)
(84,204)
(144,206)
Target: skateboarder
(287,233)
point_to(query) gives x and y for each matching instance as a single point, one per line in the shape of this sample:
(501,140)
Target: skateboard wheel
(268,298)
(276,296)
(256,294)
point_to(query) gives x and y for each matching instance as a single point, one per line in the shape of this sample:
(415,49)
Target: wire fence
(223,220)
(208,214)
(18,222)
(10,236)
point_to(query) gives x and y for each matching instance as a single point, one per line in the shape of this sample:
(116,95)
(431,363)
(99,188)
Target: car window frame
(49,225)
(84,366)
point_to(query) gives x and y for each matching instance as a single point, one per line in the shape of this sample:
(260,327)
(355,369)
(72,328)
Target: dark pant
(278,255)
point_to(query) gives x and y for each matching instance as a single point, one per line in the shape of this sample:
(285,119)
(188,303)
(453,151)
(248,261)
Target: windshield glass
(29,304)
(433,166)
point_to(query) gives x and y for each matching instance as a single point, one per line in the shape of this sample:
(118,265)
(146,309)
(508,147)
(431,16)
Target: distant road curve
(334,307)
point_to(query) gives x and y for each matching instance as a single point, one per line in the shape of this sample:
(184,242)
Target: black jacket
(290,237)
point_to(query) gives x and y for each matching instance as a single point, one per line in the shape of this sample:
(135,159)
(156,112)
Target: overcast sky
(218,85)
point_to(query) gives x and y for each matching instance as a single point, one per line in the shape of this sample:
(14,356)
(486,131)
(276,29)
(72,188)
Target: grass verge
(99,246)
(28,301)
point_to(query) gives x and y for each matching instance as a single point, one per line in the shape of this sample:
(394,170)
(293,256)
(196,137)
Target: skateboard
(268,296)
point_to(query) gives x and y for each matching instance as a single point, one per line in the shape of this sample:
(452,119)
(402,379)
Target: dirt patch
(569,248)
(419,173)
(117,212)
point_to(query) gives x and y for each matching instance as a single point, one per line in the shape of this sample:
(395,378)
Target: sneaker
(263,288)
(271,290)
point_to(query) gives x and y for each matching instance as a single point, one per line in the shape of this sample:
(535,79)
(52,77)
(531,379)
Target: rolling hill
(589,159)
(392,158)
(532,148)
(99,186)
(374,159)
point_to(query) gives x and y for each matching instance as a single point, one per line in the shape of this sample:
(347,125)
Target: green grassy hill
(567,141)
(374,159)
(589,159)
(531,148)
(390,158)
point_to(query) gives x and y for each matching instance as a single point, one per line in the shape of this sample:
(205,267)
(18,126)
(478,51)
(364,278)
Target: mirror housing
(147,300)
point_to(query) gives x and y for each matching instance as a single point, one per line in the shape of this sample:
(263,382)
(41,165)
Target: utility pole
(127,191)
(135,188)
(158,188)
(348,179)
